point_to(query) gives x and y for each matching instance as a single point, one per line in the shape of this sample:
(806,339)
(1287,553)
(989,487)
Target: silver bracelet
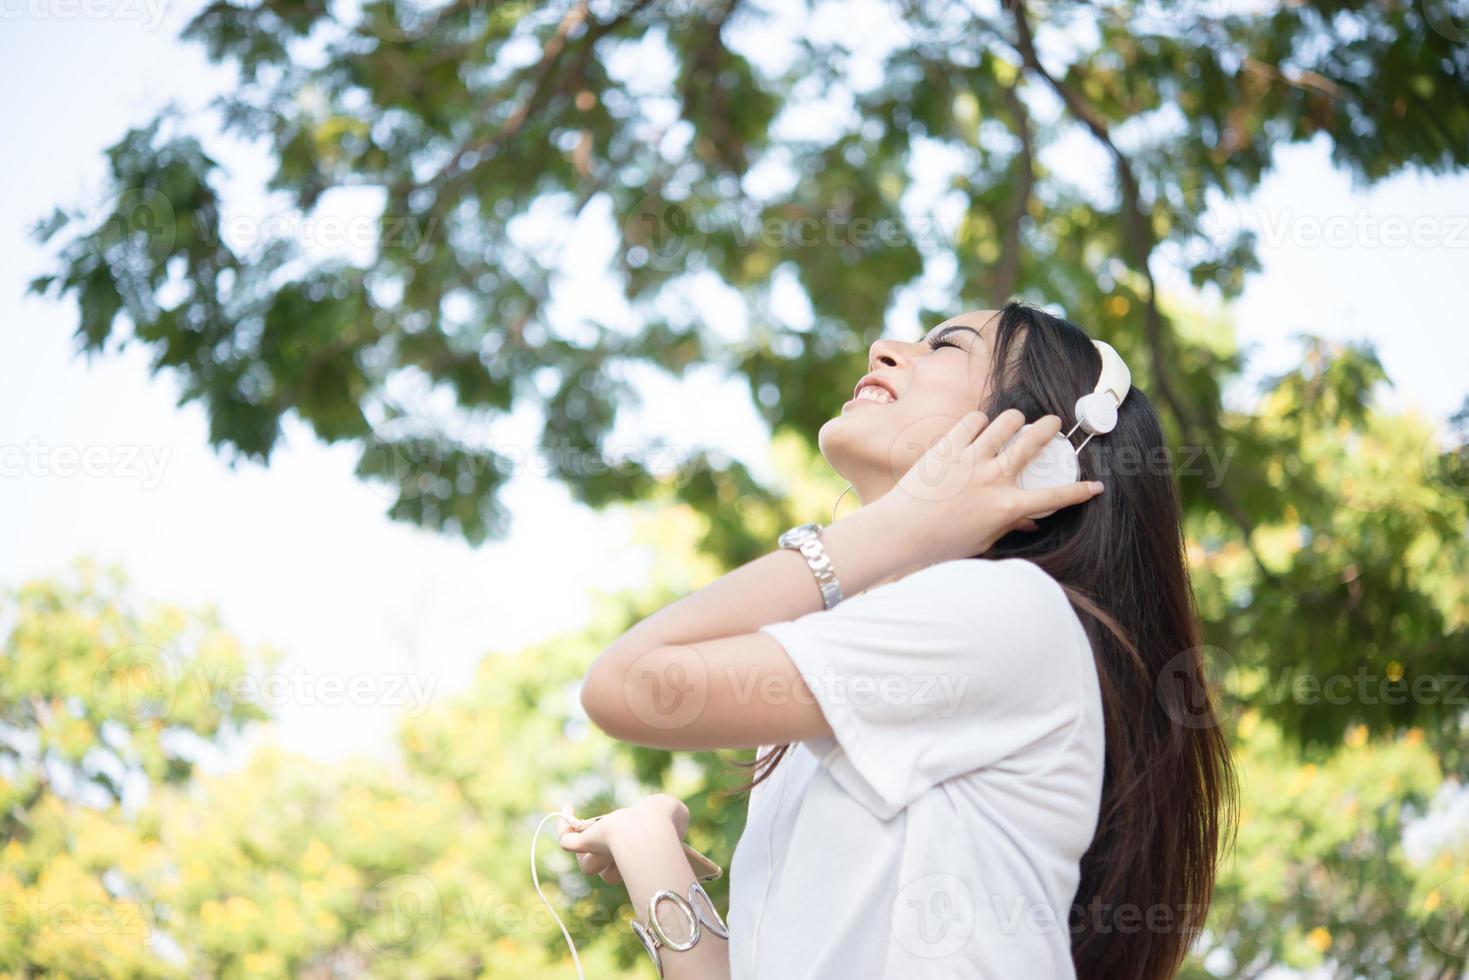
(698,909)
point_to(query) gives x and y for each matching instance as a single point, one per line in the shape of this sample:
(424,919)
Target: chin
(850,447)
(840,444)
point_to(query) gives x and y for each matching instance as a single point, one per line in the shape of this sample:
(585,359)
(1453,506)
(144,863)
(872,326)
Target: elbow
(645,701)
(601,692)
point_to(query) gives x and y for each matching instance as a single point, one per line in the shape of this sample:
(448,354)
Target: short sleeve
(960,666)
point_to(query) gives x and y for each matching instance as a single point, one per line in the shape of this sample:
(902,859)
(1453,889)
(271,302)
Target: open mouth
(874,388)
(873,393)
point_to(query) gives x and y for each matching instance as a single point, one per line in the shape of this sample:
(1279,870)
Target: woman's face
(930,384)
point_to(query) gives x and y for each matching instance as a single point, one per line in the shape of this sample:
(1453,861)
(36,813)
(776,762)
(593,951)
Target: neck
(866,488)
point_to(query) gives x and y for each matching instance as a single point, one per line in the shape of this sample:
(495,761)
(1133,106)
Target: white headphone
(1056,465)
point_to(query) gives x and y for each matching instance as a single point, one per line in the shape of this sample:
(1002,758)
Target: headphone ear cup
(1054,466)
(1097,413)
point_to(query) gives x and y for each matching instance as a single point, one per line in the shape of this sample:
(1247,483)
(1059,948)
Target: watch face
(797,535)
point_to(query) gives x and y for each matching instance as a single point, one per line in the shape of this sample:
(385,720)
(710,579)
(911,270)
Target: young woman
(994,758)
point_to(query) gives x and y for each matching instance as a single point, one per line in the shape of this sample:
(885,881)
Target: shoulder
(1011,599)
(991,581)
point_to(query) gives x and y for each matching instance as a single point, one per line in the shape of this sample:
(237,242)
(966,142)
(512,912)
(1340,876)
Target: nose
(885,353)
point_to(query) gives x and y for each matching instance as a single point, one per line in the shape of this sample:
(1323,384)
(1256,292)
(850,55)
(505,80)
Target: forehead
(974,319)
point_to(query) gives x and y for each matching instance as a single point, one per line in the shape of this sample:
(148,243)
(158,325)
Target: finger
(612,876)
(593,864)
(1026,524)
(1005,425)
(1054,498)
(577,843)
(1014,457)
(963,431)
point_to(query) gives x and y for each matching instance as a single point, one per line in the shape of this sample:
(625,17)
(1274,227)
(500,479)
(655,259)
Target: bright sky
(302,557)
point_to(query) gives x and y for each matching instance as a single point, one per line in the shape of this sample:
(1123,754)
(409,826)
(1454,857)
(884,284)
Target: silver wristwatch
(806,538)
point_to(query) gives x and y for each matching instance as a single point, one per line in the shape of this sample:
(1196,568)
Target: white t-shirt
(939,833)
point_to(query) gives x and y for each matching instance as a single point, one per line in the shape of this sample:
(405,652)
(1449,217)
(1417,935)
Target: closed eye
(940,339)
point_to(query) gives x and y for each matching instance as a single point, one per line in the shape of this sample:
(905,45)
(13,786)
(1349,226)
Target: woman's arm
(697,674)
(641,846)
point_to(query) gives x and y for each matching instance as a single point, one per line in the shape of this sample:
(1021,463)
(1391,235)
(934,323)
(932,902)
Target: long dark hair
(1169,793)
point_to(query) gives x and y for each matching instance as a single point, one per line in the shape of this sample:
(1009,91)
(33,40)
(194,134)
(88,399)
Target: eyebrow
(950,329)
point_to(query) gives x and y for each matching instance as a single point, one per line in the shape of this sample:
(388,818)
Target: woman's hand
(961,496)
(594,841)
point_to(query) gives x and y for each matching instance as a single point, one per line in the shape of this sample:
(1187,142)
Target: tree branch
(1140,244)
(1007,273)
(705,62)
(547,83)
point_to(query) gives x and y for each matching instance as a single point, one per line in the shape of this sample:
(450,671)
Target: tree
(475,122)
(1327,538)
(101,706)
(470,140)
(413,863)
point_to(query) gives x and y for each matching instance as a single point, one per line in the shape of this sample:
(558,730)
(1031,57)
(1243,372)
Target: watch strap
(806,539)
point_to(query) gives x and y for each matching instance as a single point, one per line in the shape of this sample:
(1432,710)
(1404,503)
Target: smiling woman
(997,755)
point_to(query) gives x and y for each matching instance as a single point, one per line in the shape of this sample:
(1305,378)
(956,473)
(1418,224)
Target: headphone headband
(1115,377)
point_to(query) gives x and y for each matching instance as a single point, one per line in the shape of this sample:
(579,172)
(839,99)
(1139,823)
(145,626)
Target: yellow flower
(316,857)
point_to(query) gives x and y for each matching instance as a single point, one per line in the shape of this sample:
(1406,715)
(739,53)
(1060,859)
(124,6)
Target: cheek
(951,388)
(933,404)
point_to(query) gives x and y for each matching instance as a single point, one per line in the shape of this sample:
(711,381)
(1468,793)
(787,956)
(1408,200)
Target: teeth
(874,393)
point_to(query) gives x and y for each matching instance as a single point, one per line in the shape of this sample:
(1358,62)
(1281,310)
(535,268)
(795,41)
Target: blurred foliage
(413,864)
(719,141)
(1327,537)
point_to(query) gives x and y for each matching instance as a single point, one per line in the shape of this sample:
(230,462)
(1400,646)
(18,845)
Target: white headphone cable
(536,881)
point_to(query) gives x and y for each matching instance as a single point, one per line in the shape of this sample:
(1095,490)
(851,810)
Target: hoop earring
(838,500)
